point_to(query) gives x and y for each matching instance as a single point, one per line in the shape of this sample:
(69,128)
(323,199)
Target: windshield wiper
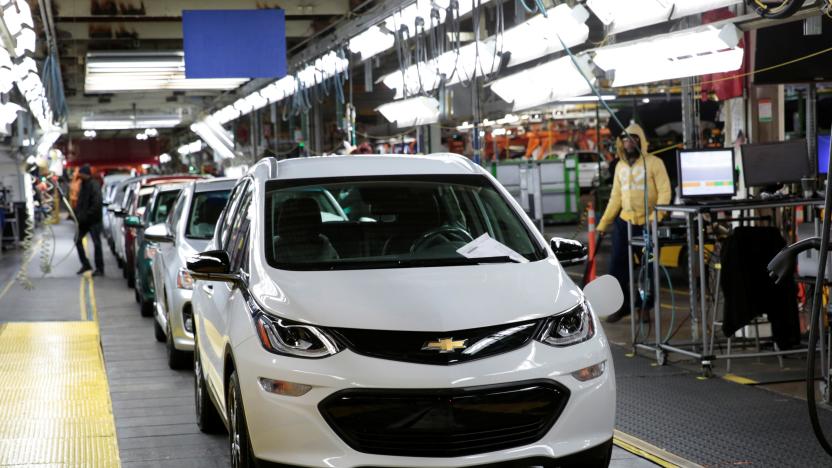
(413,263)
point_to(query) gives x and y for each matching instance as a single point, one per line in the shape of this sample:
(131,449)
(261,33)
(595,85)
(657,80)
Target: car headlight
(184,279)
(568,328)
(281,336)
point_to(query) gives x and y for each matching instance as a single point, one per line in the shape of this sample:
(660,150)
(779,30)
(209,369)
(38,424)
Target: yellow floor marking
(650,452)
(92,300)
(739,379)
(82,301)
(55,399)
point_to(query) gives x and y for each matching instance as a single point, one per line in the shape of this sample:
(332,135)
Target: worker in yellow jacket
(626,203)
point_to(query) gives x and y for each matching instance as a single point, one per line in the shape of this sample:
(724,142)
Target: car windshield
(205,211)
(164,202)
(392,222)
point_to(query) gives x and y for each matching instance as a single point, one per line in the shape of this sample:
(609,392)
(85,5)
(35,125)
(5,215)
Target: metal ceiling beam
(151,30)
(168,8)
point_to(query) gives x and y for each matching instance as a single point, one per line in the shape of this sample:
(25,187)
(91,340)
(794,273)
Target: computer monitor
(823,153)
(706,173)
(766,164)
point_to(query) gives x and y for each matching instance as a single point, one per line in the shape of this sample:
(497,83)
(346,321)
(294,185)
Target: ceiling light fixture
(693,52)
(552,81)
(420,110)
(126,71)
(620,16)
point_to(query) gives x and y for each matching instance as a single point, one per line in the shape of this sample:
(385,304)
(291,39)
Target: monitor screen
(823,153)
(775,163)
(706,173)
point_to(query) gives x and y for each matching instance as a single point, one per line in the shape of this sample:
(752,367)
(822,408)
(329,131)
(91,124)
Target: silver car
(187,231)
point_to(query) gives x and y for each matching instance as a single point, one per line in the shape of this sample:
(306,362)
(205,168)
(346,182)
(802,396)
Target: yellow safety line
(650,452)
(739,379)
(82,301)
(92,300)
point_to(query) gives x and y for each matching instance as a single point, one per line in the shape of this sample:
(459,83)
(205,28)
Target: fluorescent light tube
(420,110)
(213,140)
(622,16)
(693,52)
(538,36)
(549,82)
(128,123)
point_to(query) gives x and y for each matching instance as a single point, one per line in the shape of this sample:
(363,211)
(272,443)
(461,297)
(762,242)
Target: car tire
(119,262)
(238,441)
(207,418)
(176,359)
(147,308)
(137,296)
(158,332)
(131,278)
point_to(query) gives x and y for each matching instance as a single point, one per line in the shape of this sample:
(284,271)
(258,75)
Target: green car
(157,210)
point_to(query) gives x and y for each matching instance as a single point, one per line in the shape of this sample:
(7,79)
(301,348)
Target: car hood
(418,299)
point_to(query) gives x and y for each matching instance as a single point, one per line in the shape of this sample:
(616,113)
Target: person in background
(88,212)
(627,204)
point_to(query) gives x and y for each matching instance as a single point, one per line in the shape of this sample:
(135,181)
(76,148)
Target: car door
(165,265)
(210,302)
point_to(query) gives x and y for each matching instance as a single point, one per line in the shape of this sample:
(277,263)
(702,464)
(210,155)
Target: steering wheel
(450,233)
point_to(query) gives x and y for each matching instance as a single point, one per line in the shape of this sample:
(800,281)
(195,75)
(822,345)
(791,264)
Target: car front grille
(446,422)
(440,348)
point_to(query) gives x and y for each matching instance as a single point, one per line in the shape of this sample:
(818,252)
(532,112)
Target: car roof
(156,180)
(169,187)
(375,165)
(210,185)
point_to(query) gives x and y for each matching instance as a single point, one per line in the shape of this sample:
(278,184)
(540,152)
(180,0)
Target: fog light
(188,318)
(591,372)
(279,387)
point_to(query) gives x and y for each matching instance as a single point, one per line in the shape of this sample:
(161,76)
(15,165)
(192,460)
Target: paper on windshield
(486,246)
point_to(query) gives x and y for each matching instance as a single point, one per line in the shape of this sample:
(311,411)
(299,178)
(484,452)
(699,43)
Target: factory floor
(83,382)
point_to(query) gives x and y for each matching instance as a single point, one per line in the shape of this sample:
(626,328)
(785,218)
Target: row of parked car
(191,206)
(371,311)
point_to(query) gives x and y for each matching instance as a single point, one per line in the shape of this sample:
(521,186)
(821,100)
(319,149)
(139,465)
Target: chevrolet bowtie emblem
(444,345)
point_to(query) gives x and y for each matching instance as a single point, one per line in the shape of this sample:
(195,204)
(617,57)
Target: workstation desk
(703,338)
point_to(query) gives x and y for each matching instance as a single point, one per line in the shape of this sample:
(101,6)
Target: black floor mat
(714,422)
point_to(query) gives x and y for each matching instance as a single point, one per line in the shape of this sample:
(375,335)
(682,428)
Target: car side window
(230,212)
(176,212)
(238,245)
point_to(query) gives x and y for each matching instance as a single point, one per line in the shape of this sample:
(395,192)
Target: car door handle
(209,289)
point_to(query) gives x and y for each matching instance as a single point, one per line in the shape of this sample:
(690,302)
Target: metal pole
(692,278)
(657,305)
(812,125)
(631,286)
(703,309)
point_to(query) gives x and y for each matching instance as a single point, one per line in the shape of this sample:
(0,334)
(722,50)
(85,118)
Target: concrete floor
(151,404)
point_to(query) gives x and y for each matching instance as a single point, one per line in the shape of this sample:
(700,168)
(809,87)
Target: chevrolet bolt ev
(187,230)
(433,326)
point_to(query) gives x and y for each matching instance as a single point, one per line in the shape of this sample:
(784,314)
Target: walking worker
(626,204)
(88,212)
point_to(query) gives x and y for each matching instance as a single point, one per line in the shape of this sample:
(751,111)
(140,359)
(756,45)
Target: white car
(187,231)
(433,327)
(108,192)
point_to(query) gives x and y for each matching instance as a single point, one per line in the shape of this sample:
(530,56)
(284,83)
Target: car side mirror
(213,265)
(133,221)
(568,251)
(158,233)
(119,213)
(604,295)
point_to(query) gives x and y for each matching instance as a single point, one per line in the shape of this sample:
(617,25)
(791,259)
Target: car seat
(299,238)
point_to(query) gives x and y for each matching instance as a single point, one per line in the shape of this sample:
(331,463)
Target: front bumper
(292,431)
(180,299)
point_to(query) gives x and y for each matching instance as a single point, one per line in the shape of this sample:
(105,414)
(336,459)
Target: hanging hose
(28,241)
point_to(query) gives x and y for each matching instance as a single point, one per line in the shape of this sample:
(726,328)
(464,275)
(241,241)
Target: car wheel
(239,443)
(176,359)
(207,417)
(131,278)
(147,308)
(158,332)
(119,262)
(137,296)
